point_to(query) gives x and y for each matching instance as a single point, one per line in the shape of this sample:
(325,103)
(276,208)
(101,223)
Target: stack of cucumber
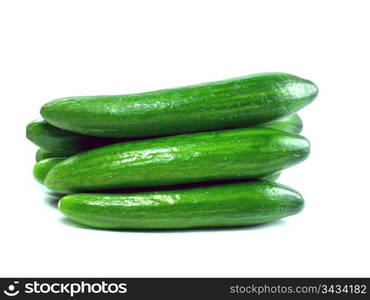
(204,155)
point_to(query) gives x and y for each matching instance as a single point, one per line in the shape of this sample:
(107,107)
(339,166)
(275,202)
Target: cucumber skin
(237,204)
(54,139)
(42,154)
(49,137)
(42,168)
(198,157)
(292,124)
(272,177)
(233,103)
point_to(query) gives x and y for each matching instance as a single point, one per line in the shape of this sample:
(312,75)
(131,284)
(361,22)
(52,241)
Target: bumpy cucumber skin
(232,103)
(54,139)
(42,154)
(237,204)
(42,168)
(292,124)
(198,157)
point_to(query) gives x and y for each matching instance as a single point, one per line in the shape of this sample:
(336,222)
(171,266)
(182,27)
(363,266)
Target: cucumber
(229,154)
(44,154)
(49,137)
(272,177)
(232,103)
(238,204)
(292,124)
(42,168)
(54,139)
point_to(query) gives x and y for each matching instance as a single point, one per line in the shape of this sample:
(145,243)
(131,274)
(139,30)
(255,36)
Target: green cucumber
(232,103)
(54,139)
(42,154)
(292,124)
(49,137)
(238,204)
(272,177)
(42,168)
(229,154)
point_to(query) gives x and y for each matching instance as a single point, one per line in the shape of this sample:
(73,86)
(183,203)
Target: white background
(52,49)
